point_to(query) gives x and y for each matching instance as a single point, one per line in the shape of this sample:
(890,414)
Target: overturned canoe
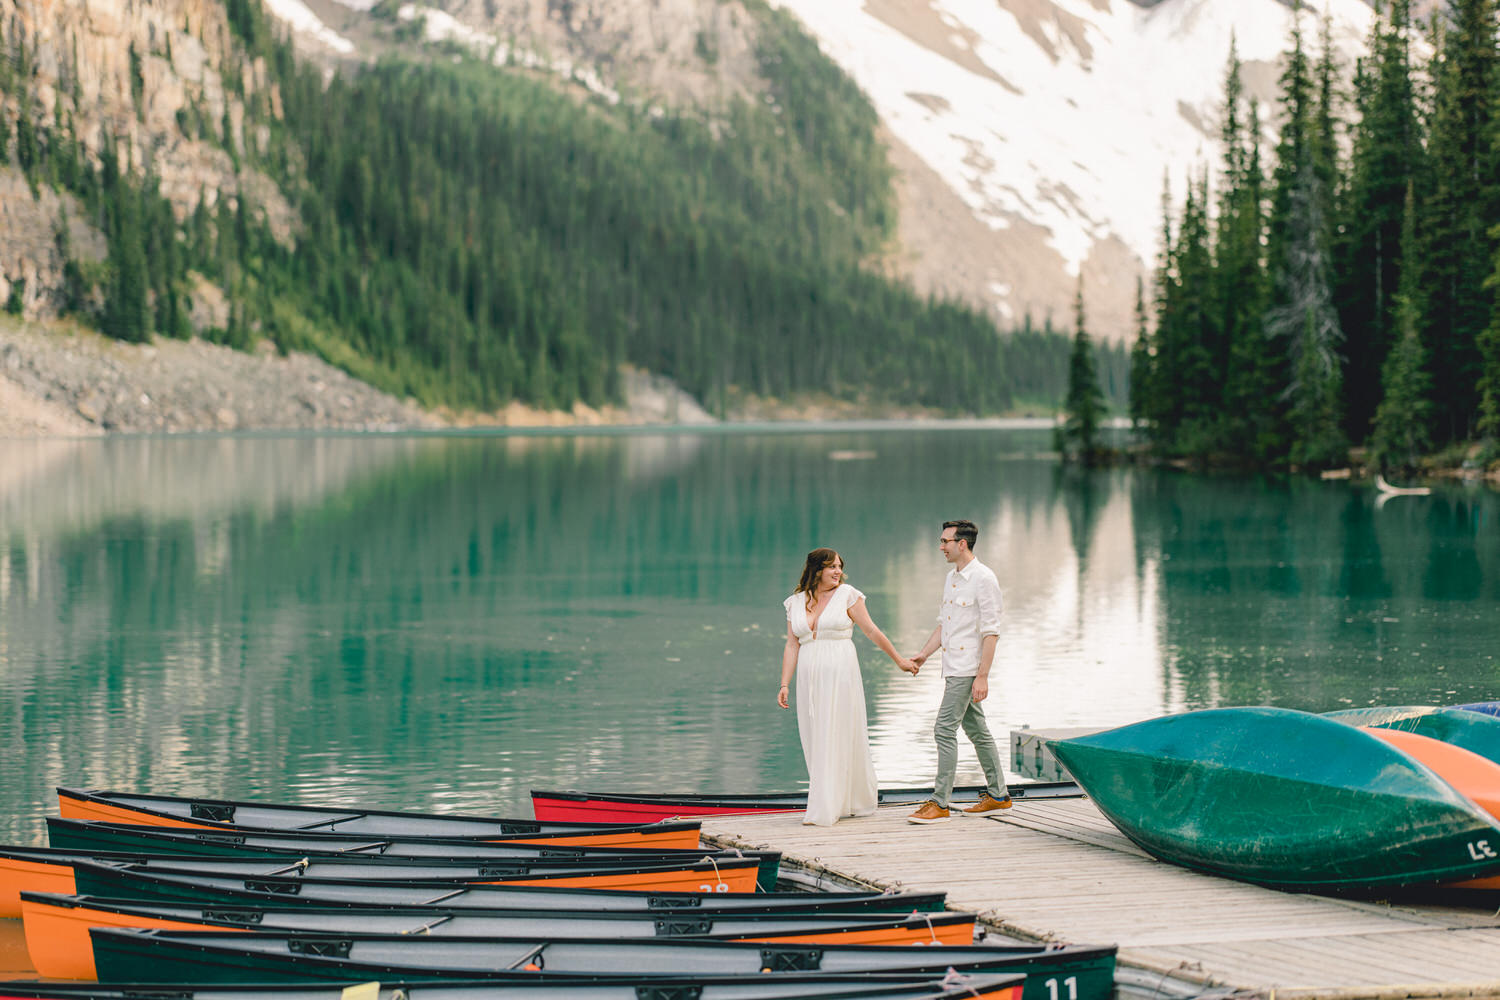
(1282,798)
(801,987)
(57,927)
(222,814)
(43,870)
(97,835)
(675,868)
(1473,731)
(124,883)
(92,837)
(1476,778)
(570,806)
(183,956)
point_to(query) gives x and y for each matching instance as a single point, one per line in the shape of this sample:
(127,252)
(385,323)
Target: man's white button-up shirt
(971,610)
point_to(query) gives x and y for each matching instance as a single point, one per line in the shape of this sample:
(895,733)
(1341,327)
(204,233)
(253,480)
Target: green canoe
(1053,972)
(1473,731)
(1282,798)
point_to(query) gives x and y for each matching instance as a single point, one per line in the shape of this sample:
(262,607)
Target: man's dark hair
(965,530)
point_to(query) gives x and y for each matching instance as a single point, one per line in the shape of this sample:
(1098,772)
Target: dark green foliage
(470,237)
(141,278)
(1083,411)
(26,140)
(126,314)
(137,82)
(1462,198)
(17,297)
(1386,154)
(1403,418)
(490,239)
(1489,360)
(247,19)
(1140,360)
(1401,421)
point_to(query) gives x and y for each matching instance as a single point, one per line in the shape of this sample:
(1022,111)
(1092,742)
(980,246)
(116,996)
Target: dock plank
(1058,870)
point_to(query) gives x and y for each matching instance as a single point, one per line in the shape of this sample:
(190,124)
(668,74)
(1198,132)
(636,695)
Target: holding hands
(908,665)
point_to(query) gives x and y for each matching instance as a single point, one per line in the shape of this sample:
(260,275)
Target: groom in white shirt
(968,631)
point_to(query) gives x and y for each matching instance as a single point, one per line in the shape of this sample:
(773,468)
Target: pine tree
(1201,331)
(1140,362)
(1455,218)
(1084,408)
(1156,399)
(1385,158)
(1403,416)
(125,311)
(1489,374)
(1301,322)
(1239,274)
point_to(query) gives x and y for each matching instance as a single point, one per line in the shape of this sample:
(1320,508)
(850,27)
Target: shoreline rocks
(61,380)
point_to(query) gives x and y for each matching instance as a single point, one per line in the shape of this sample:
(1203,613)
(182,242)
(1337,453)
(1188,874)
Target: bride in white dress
(820,620)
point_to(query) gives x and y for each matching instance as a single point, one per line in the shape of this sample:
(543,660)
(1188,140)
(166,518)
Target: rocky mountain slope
(1054,123)
(1032,137)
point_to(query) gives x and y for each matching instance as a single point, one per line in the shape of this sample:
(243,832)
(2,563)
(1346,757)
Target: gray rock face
(174,386)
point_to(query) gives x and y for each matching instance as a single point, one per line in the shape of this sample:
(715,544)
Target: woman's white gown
(831,711)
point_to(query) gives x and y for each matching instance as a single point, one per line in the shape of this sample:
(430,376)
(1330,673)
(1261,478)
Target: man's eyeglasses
(946,541)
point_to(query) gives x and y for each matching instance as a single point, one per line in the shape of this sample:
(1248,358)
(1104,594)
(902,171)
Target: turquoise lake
(444,622)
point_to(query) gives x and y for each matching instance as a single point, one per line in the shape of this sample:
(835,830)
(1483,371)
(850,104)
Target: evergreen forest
(1339,290)
(471,235)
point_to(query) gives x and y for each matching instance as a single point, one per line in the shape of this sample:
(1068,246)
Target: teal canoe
(1473,731)
(1282,798)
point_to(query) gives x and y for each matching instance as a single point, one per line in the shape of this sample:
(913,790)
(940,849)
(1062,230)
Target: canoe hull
(997,987)
(570,806)
(57,927)
(116,883)
(1472,731)
(119,883)
(394,858)
(719,876)
(48,870)
(1284,799)
(228,814)
(182,957)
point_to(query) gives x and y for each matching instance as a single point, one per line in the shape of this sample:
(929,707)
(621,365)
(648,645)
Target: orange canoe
(42,869)
(221,814)
(57,926)
(1476,778)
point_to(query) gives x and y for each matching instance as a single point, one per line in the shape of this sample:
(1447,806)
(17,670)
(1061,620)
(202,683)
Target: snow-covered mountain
(1054,122)
(1032,137)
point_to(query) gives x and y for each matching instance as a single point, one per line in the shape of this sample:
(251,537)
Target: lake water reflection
(443,622)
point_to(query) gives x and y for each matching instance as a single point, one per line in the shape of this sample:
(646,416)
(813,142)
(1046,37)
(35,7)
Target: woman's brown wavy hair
(817,561)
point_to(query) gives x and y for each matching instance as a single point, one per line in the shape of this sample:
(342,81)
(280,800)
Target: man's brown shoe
(930,812)
(987,804)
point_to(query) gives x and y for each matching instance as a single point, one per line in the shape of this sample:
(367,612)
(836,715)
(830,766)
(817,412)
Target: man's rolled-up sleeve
(990,605)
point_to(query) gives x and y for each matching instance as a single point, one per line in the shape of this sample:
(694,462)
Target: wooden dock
(1059,871)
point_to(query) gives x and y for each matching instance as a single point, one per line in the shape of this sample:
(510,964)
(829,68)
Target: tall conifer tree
(1238,267)
(1461,201)
(1084,408)
(1140,361)
(1385,157)
(1402,419)
(1301,322)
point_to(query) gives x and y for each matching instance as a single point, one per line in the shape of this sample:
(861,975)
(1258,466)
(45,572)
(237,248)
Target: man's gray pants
(959,709)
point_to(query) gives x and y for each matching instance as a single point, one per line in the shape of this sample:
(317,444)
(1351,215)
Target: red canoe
(608,807)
